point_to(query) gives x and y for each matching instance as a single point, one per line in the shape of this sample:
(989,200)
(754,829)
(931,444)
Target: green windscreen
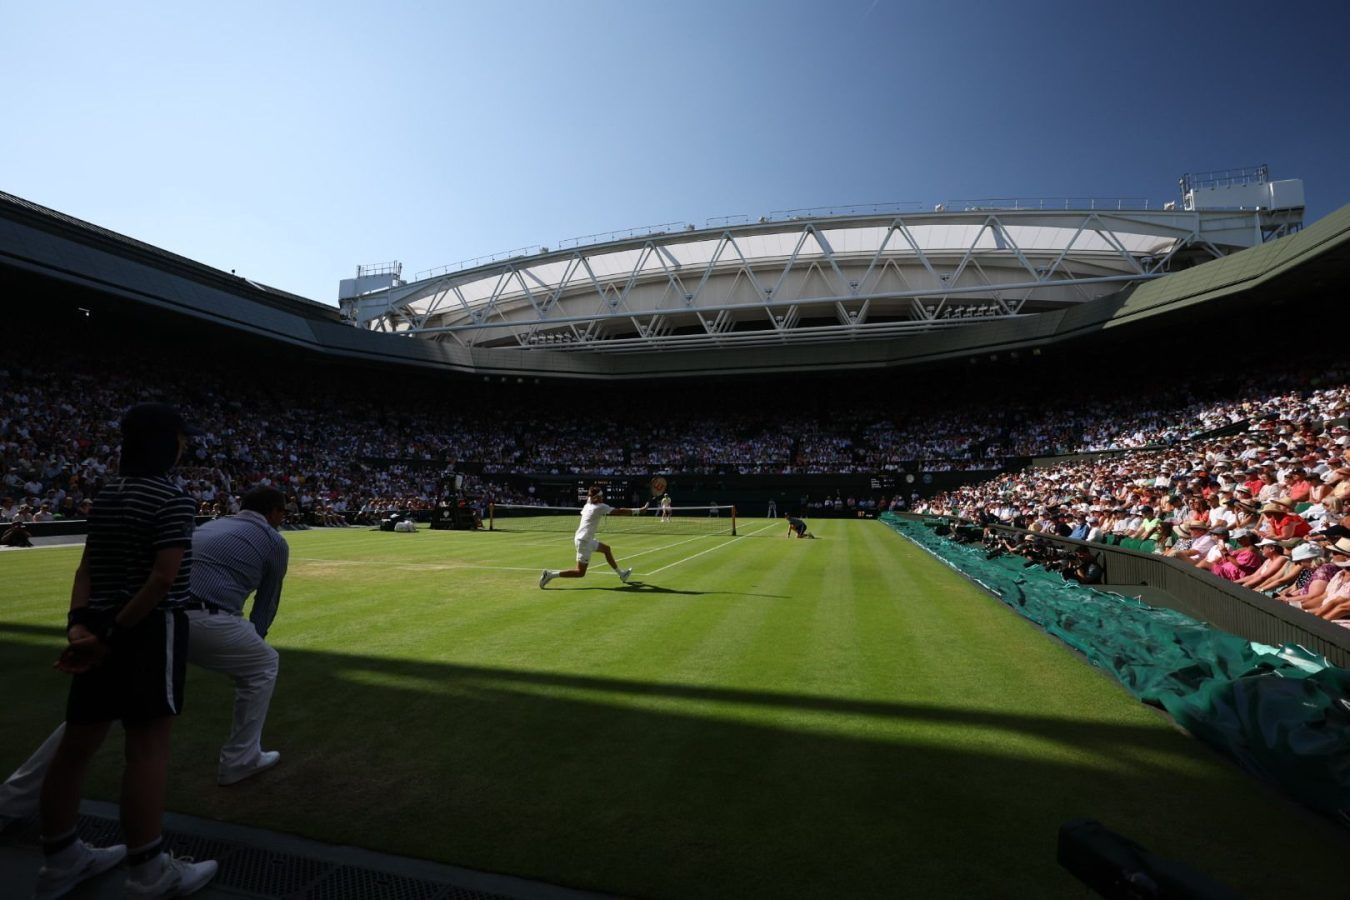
(1280,712)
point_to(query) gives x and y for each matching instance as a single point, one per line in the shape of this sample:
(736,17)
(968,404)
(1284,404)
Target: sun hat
(1306,551)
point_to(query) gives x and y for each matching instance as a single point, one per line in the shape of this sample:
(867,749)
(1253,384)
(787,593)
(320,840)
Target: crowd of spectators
(351,448)
(1267,507)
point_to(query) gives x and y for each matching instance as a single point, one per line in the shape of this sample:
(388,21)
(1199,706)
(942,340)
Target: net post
(733,520)
(492,516)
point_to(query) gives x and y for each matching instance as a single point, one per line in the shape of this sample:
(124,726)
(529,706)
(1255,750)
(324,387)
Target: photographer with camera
(1082,567)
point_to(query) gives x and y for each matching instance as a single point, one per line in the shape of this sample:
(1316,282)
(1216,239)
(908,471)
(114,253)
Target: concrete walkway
(255,863)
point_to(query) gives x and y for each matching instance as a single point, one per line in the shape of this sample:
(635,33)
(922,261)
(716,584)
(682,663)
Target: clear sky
(292,141)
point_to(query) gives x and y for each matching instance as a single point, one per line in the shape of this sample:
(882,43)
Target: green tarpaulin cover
(1281,712)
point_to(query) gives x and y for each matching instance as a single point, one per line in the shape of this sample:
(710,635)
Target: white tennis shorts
(585,547)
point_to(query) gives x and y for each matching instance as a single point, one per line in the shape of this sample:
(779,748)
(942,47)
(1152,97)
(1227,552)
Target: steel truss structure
(808,279)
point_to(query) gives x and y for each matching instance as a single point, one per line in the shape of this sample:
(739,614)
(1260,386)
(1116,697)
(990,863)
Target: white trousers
(222,643)
(231,645)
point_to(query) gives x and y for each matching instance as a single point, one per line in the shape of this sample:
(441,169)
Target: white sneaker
(624,575)
(176,877)
(546,578)
(57,881)
(267,760)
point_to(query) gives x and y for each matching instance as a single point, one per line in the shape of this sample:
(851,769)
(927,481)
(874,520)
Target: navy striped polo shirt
(131,521)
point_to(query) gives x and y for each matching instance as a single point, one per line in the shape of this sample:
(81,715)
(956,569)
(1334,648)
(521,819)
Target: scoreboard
(616,489)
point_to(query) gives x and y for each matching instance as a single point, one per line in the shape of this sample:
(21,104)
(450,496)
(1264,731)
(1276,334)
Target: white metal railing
(394,268)
(605,237)
(1218,178)
(1024,204)
(477,261)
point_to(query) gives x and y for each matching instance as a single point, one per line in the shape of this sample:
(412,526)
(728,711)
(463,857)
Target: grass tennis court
(757,717)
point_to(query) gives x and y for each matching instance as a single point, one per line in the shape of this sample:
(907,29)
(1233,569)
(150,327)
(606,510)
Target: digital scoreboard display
(616,489)
(883,482)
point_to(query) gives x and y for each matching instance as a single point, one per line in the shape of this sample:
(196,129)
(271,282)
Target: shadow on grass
(643,587)
(656,788)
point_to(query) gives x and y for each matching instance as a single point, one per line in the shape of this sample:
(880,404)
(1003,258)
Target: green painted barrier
(1281,712)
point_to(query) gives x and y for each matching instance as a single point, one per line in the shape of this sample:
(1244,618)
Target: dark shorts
(141,679)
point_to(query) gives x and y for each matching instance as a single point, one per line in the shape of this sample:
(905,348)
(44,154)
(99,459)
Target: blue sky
(293,141)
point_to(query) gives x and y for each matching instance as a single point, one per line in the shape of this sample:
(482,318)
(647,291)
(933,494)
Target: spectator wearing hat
(1186,536)
(1246,515)
(1197,515)
(1203,542)
(1311,581)
(1095,533)
(1280,523)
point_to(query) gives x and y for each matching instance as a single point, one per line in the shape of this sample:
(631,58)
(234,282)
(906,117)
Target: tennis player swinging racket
(591,514)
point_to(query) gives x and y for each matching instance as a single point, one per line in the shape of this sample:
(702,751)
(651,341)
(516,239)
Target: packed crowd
(1267,508)
(349,449)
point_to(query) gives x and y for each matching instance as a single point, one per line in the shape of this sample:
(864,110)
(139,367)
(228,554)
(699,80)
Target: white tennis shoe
(546,577)
(171,876)
(85,862)
(624,575)
(265,761)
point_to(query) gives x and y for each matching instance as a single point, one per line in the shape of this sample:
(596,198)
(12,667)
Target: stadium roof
(56,246)
(804,279)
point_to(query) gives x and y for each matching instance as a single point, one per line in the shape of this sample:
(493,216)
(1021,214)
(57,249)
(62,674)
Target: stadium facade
(805,290)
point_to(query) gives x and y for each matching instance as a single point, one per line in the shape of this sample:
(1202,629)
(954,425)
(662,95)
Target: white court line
(442,567)
(435,567)
(709,550)
(666,547)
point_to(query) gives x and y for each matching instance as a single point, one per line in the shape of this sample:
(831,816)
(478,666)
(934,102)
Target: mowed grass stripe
(840,717)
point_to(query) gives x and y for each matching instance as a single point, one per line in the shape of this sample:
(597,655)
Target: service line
(709,550)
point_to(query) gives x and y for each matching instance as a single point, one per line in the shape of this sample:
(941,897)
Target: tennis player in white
(666,507)
(585,540)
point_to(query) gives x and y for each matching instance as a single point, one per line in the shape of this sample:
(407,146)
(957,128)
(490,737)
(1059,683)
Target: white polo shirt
(591,514)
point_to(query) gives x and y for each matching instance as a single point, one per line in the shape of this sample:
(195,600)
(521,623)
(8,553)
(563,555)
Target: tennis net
(675,520)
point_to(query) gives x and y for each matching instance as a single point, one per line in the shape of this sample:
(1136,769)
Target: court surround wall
(1200,595)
